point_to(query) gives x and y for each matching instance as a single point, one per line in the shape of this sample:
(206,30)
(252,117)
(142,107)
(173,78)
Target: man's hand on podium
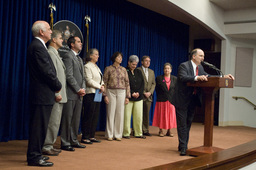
(202,78)
(229,76)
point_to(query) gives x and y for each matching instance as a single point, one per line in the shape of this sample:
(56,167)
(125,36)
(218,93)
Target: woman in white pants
(117,94)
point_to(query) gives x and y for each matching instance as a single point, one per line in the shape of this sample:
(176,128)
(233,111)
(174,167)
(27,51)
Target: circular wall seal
(67,28)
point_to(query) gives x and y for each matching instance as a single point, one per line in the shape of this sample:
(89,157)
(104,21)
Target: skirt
(164,115)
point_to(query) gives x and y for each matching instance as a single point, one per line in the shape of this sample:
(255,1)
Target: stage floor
(127,154)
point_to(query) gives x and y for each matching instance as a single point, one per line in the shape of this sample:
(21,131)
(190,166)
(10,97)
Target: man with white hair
(43,86)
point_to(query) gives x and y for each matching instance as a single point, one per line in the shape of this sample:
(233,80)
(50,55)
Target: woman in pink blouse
(117,94)
(164,114)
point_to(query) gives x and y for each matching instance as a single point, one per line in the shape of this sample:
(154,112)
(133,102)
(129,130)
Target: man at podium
(187,98)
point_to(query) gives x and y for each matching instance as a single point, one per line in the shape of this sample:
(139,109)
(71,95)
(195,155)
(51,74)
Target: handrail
(239,97)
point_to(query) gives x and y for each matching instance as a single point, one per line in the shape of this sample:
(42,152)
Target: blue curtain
(116,25)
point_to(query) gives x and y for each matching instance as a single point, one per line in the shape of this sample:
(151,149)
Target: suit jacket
(60,70)
(184,92)
(162,92)
(42,74)
(74,75)
(150,84)
(93,77)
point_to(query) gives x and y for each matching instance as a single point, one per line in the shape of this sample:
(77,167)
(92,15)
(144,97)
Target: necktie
(78,58)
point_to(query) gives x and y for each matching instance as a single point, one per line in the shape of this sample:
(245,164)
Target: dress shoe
(126,137)
(147,134)
(110,139)
(183,152)
(45,158)
(67,148)
(40,162)
(161,134)
(118,139)
(78,145)
(95,140)
(169,133)
(142,137)
(50,152)
(86,141)
(56,150)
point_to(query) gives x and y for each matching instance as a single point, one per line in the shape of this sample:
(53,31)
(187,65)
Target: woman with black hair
(117,94)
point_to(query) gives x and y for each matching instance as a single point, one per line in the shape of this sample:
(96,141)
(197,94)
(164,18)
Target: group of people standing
(57,87)
(128,95)
(61,85)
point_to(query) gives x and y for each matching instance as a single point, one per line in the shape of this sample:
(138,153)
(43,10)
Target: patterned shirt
(116,78)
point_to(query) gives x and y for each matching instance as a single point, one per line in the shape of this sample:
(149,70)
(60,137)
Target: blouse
(116,78)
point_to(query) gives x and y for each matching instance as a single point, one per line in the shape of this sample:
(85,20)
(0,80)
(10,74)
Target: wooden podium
(209,88)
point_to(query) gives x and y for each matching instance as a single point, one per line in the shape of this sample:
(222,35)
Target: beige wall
(231,112)
(237,112)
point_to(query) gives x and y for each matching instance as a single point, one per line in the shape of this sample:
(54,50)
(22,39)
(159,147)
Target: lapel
(92,66)
(78,61)
(60,60)
(191,71)
(37,41)
(101,76)
(200,70)
(163,83)
(143,74)
(63,65)
(150,76)
(56,53)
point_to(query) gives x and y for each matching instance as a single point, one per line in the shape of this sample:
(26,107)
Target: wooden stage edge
(232,158)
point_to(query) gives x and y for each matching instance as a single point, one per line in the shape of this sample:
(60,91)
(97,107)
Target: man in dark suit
(75,91)
(149,87)
(187,98)
(43,85)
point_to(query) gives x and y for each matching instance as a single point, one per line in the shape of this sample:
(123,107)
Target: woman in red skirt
(165,115)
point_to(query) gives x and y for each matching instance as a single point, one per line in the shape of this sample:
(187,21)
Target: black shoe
(126,137)
(40,162)
(45,158)
(78,146)
(142,137)
(67,148)
(95,140)
(183,152)
(147,134)
(86,141)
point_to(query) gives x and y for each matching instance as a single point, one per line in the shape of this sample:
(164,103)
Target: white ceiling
(234,4)
(168,9)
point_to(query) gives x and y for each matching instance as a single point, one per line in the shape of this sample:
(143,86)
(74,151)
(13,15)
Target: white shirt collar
(74,52)
(194,67)
(144,69)
(42,41)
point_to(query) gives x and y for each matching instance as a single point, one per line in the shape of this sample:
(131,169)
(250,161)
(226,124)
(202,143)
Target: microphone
(213,67)
(207,64)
